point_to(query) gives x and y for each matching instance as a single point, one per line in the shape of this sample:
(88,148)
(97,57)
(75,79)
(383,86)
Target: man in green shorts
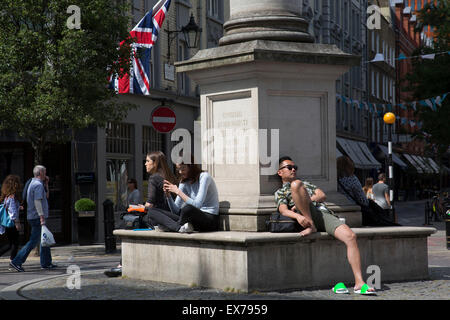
(303,201)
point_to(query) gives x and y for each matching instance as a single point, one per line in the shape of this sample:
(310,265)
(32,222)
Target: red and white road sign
(163,119)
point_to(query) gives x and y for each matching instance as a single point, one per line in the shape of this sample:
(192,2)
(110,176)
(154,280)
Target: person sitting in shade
(134,196)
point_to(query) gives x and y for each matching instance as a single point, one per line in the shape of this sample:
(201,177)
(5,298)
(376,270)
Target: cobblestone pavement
(96,286)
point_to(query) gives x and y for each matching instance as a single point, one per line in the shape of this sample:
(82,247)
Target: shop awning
(368,154)
(432,163)
(395,158)
(338,153)
(427,163)
(352,149)
(413,163)
(425,168)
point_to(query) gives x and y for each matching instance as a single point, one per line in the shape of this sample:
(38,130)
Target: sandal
(365,289)
(340,288)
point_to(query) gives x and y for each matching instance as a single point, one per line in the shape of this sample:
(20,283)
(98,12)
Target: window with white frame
(213,8)
(338,11)
(181,75)
(377,43)
(373,40)
(346,117)
(338,114)
(377,85)
(119,162)
(344,17)
(332,13)
(372,84)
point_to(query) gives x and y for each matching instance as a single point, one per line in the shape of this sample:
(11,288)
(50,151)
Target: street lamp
(389,119)
(191,33)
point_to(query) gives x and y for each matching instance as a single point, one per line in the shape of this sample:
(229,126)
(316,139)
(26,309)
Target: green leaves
(430,78)
(53,78)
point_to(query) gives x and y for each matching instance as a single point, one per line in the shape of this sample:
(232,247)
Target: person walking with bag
(37,213)
(10,198)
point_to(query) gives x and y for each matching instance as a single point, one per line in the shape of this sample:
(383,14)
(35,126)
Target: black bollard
(110,240)
(427,213)
(447,228)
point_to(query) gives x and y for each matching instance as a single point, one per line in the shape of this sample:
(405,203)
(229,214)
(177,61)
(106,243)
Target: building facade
(121,148)
(98,161)
(113,154)
(344,23)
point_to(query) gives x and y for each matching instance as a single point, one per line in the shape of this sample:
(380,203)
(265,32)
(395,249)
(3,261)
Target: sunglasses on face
(289,167)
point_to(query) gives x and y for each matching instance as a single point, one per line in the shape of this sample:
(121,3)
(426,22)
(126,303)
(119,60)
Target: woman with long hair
(156,205)
(158,169)
(197,201)
(10,198)
(368,188)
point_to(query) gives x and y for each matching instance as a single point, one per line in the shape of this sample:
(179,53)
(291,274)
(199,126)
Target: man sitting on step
(303,201)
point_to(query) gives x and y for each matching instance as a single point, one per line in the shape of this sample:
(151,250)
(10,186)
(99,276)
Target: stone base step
(263,261)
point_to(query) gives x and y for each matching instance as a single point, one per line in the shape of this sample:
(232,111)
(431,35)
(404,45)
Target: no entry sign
(163,119)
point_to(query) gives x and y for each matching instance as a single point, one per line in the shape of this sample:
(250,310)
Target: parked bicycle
(439,205)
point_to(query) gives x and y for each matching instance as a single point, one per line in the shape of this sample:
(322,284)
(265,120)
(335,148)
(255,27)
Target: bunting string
(381,108)
(430,56)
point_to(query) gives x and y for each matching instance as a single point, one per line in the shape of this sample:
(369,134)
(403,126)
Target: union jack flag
(145,34)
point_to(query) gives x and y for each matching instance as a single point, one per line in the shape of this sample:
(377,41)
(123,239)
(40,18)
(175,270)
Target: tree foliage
(54,78)
(430,78)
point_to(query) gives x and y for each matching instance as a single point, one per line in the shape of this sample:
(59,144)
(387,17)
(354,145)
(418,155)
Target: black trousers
(155,217)
(202,221)
(13,242)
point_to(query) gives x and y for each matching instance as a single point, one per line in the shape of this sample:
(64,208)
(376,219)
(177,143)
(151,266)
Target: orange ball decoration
(389,118)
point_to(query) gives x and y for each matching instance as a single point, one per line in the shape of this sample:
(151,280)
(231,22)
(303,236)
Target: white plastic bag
(47,238)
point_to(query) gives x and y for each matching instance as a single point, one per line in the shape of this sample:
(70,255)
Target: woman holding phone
(197,201)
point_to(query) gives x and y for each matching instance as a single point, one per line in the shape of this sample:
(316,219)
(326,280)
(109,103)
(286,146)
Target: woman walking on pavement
(10,198)
(368,188)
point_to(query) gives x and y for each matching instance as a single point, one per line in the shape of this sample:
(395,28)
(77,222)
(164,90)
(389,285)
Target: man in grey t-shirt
(381,192)
(37,213)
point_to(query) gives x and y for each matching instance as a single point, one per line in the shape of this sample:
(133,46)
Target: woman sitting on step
(196,206)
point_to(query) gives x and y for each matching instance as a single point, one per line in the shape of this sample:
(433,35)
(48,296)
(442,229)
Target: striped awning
(361,156)
(395,158)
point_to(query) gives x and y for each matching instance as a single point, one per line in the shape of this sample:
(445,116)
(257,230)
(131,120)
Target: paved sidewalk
(36,284)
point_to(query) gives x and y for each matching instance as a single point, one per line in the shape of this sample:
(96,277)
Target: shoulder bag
(5,219)
(279,223)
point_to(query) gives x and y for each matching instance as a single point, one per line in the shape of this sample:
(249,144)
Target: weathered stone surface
(264,261)
(265,50)
(265,19)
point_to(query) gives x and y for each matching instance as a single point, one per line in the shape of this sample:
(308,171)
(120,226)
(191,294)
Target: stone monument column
(266,20)
(268,91)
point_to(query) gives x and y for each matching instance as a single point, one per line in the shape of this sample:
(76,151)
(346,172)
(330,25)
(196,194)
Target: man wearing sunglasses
(303,201)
